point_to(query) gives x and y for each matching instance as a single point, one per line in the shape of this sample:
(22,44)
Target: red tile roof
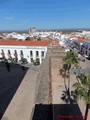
(80,40)
(72,36)
(87,40)
(24,43)
(54,43)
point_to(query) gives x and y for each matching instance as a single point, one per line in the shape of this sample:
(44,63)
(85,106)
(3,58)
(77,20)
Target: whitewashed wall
(26,51)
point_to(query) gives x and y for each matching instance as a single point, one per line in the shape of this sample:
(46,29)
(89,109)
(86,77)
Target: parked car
(80,52)
(86,56)
(80,58)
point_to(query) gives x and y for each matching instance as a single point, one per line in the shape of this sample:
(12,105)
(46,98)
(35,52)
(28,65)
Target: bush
(36,62)
(23,60)
(11,59)
(2,58)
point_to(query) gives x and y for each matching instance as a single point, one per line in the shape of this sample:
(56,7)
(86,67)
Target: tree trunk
(86,111)
(87,106)
(68,91)
(65,80)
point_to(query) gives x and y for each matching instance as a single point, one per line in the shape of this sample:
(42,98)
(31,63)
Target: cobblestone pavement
(57,81)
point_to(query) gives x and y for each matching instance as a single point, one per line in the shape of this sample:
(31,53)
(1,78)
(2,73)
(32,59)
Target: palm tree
(70,59)
(83,91)
(65,68)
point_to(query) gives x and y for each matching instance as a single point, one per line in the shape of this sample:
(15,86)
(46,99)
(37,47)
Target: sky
(44,14)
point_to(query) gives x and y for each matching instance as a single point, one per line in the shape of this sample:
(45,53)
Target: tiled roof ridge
(24,43)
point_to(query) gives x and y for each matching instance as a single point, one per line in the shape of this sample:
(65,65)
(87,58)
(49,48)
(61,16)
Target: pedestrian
(23,68)
(7,65)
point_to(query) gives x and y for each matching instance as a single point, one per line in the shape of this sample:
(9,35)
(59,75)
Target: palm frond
(71,58)
(76,85)
(83,79)
(88,80)
(87,98)
(82,92)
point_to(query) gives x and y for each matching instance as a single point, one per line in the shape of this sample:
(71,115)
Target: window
(21,54)
(31,53)
(2,53)
(31,59)
(15,53)
(86,47)
(37,53)
(9,52)
(42,54)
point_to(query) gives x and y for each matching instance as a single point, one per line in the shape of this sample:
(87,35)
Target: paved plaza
(34,92)
(9,83)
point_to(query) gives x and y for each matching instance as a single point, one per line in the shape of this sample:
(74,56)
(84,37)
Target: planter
(23,61)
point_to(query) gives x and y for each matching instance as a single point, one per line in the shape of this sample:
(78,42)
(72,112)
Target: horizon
(50,14)
(68,29)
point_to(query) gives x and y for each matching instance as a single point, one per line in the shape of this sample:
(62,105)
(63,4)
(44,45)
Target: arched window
(42,54)
(9,54)
(2,53)
(37,53)
(21,54)
(15,53)
(31,53)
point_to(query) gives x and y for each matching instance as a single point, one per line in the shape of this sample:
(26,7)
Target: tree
(83,91)
(70,59)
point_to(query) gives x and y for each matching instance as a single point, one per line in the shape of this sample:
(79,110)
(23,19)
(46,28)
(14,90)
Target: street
(85,66)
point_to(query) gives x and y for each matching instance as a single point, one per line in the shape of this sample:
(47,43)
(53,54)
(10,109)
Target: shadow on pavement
(57,112)
(9,83)
(42,112)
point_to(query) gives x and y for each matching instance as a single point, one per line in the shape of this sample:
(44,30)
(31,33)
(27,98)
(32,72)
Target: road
(85,66)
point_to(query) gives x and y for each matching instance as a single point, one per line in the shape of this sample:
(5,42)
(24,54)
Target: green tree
(70,59)
(83,91)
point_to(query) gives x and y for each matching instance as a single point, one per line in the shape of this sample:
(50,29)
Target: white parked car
(66,50)
(86,56)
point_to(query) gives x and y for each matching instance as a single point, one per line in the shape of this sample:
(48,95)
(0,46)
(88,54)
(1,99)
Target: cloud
(9,17)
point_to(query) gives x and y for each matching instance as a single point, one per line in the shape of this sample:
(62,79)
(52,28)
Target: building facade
(31,50)
(86,48)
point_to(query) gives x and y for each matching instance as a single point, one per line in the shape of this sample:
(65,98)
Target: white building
(17,36)
(77,43)
(86,47)
(31,50)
